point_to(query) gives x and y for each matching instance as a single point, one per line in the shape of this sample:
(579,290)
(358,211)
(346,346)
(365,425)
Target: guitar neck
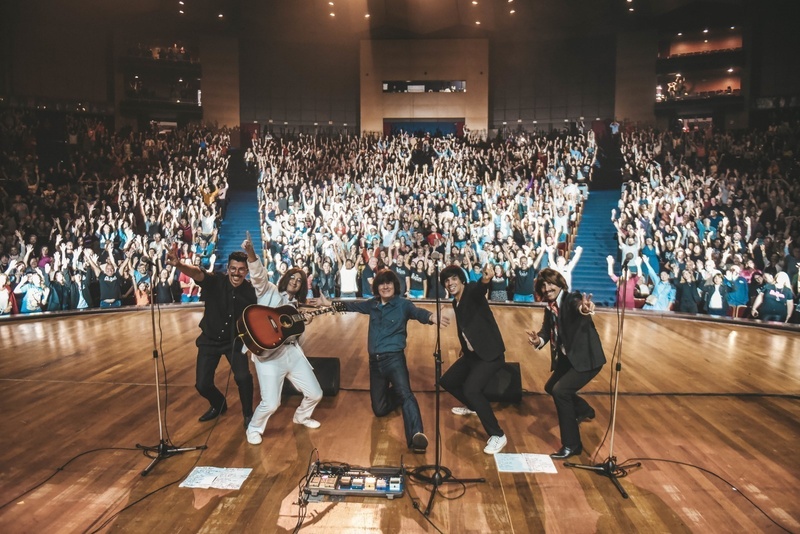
(318,311)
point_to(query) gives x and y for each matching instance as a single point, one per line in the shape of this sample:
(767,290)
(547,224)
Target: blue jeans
(389,386)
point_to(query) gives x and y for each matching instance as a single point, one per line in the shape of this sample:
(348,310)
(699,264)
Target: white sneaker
(253,437)
(495,444)
(310,423)
(462,410)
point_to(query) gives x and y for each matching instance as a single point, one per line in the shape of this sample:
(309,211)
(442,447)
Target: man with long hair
(389,384)
(288,360)
(576,354)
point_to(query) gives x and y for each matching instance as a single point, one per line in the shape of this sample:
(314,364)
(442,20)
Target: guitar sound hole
(286,322)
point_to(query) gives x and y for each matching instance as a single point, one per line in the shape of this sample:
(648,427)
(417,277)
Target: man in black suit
(575,351)
(482,351)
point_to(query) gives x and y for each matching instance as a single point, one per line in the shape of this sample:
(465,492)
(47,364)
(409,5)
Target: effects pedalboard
(348,481)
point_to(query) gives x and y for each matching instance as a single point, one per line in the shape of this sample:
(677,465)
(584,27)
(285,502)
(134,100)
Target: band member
(226,297)
(575,351)
(389,384)
(288,360)
(482,351)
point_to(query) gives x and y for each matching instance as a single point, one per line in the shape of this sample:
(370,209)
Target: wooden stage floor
(78,394)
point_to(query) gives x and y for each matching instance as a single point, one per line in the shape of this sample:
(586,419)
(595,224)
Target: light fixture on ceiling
(730,69)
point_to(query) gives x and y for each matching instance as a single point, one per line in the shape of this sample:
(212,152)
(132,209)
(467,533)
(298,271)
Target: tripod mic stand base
(609,469)
(163,450)
(439,475)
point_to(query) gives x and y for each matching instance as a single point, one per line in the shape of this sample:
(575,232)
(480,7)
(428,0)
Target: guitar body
(264,328)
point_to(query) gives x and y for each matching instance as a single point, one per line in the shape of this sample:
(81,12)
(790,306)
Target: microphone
(436,256)
(628,258)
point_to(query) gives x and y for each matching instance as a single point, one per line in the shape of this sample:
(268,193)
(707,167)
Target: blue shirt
(387,322)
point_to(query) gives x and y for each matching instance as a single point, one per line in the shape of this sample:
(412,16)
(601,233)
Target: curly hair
(283,283)
(549,276)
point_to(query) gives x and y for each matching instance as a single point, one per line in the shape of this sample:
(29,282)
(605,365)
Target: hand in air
(247,245)
(533,338)
(587,305)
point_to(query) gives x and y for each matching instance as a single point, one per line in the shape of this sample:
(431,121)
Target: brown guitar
(263,328)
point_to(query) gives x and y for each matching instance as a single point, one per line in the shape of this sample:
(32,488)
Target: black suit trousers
(563,385)
(466,379)
(208,357)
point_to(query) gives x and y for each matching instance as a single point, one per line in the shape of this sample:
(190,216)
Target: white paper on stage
(230,478)
(524,463)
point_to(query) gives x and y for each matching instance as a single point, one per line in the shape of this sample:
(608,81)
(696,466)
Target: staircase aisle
(240,217)
(597,235)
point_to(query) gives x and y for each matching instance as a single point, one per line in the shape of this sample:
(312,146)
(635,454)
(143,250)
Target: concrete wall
(220,81)
(453,59)
(636,77)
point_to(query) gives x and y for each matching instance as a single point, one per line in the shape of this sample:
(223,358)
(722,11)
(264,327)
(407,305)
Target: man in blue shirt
(389,384)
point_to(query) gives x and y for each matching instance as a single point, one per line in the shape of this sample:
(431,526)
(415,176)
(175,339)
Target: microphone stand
(608,467)
(165,448)
(439,474)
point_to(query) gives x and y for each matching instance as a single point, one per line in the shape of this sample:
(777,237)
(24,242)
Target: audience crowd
(708,222)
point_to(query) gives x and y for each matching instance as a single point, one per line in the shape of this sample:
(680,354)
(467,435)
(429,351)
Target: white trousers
(291,363)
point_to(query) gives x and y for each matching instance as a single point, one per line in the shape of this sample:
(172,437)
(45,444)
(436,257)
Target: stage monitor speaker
(327,372)
(505,385)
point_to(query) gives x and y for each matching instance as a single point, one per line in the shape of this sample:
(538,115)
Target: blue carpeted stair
(241,216)
(597,235)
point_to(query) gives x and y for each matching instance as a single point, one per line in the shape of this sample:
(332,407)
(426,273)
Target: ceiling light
(474,2)
(333,14)
(220,15)
(330,3)
(730,69)
(180,11)
(512,11)
(180,2)
(733,27)
(630,9)
(705,31)
(680,34)
(478,22)
(366,16)
(705,40)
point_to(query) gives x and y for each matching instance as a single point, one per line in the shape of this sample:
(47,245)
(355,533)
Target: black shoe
(419,443)
(588,416)
(565,452)
(213,413)
(247,421)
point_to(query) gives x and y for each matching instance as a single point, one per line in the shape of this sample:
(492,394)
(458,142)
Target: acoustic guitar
(263,328)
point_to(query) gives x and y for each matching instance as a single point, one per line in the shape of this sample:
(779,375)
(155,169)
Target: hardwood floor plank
(722,396)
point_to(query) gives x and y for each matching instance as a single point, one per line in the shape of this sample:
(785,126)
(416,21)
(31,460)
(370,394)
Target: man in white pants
(288,360)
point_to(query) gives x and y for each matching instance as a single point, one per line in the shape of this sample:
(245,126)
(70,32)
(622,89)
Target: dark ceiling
(311,20)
